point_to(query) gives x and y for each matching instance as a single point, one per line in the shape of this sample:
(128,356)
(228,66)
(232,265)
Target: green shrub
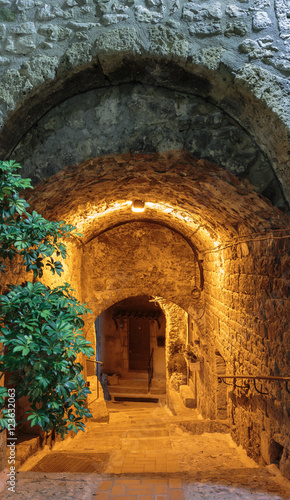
(41,327)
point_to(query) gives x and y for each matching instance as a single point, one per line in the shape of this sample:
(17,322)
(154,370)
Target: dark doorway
(139,343)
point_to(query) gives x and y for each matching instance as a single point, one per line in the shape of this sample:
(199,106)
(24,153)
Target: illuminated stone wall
(248,314)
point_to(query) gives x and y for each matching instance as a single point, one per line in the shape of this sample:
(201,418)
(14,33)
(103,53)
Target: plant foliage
(41,327)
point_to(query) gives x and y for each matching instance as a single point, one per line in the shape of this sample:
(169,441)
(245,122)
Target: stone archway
(203,219)
(129,338)
(254,100)
(240,243)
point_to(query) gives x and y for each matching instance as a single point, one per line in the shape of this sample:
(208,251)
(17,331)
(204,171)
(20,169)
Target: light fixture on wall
(138,206)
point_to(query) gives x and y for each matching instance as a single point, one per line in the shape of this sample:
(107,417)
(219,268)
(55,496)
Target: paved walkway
(140,489)
(145,453)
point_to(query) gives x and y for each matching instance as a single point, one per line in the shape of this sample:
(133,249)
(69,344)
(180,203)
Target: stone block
(187,396)
(261,21)
(98,409)
(54,32)
(7,15)
(23,5)
(22,46)
(235,11)
(270,450)
(205,29)
(147,16)
(236,28)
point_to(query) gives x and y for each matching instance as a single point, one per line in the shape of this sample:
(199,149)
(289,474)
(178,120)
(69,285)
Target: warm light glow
(96,212)
(138,206)
(195,221)
(92,213)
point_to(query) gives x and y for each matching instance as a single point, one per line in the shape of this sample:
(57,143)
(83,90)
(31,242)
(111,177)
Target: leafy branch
(41,327)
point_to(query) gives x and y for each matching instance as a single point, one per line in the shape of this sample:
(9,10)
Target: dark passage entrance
(139,343)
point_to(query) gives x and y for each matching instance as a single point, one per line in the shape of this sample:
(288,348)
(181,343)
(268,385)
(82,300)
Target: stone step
(149,433)
(137,386)
(128,385)
(126,389)
(202,426)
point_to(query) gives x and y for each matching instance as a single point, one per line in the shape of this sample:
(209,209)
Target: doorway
(139,343)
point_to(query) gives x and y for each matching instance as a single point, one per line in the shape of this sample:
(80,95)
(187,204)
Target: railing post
(150,370)
(98,391)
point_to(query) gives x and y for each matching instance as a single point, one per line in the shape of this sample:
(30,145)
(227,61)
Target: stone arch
(241,242)
(128,334)
(254,98)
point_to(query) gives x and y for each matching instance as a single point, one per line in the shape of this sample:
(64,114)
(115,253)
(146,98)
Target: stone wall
(142,257)
(248,313)
(142,118)
(240,31)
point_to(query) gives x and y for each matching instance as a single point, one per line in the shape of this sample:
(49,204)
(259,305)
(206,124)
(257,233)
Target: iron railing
(98,363)
(150,369)
(252,378)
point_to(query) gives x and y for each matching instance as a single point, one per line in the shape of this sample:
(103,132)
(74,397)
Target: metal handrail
(96,363)
(150,370)
(253,378)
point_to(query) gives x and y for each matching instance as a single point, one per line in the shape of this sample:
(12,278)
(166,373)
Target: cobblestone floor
(150,458)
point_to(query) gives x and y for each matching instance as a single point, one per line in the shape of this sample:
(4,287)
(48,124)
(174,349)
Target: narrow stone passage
(145,453)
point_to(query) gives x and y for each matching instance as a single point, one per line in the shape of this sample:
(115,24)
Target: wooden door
(139,344)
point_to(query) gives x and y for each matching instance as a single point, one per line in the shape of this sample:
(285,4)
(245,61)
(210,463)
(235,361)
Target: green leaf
(40,326)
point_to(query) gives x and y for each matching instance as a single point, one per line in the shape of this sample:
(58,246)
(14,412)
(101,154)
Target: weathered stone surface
(119,40)
(208,10)
(77,26)
(24,29)
(265,84)
(283,12)
(49,12)
(262,4)
(282,63)
(151,120)
(165,41)
(261,21)
(235,28)
(235,11)
(205,29)
(7,15)
(187,397)
(54,32)
(205,20)
(146,15)
(4,61)
(77,53)
(2,31)
(39,69)
(109,19)
(262,48)
(21,46)
(23,5)
(192,23)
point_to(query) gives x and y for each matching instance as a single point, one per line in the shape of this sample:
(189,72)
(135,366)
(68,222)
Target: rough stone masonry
(211,77)
(248,40)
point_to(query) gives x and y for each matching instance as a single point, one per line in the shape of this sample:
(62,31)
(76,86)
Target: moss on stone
(7,15)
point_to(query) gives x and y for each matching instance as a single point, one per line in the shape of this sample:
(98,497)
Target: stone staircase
(137,386)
